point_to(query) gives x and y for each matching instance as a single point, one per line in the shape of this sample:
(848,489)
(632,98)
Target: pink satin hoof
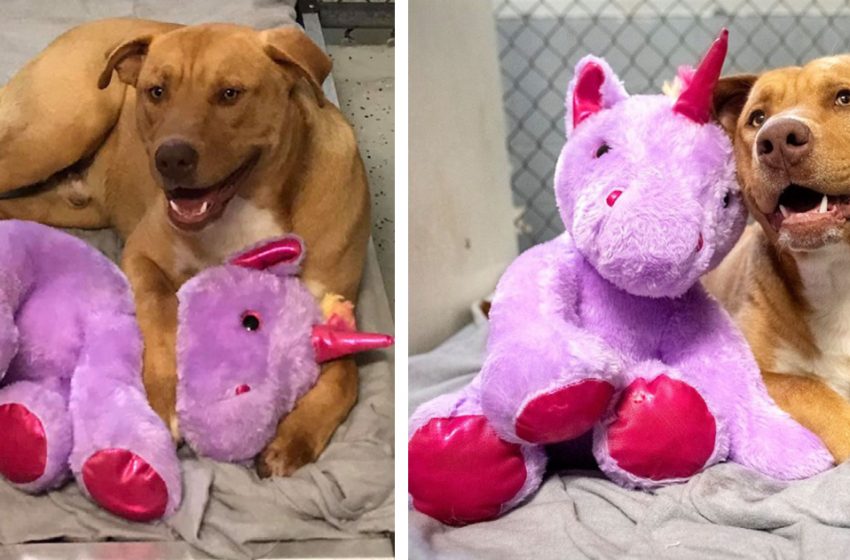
(565,413)
(23,444)
(461,472)
(662,430)
(125,484)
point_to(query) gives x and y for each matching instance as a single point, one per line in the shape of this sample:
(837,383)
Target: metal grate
(352,21)
(540,41)
(351,14)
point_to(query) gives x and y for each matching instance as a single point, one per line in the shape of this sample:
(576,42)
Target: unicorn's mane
(684,75)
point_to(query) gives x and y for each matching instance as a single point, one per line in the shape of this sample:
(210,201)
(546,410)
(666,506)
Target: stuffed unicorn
(250,340)
(606,329)
(71,394)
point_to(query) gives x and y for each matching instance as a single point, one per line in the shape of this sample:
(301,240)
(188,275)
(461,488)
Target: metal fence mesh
(540,41)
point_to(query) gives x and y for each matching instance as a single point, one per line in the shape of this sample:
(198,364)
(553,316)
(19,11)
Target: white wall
(460,215)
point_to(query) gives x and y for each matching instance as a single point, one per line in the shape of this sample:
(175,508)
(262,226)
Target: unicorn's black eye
(726,200)
(602,150)
(251,321)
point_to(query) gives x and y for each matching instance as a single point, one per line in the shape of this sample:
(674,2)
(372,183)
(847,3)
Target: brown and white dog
(787,282)
(193,142)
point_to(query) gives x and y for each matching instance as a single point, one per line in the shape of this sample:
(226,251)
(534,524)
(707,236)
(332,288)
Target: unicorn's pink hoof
(461,472)
(564,413)
(125,484)
(23,444)
(661,430)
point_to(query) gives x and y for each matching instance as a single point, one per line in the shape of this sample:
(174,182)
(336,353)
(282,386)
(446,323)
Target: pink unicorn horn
(331,343)
(695,100)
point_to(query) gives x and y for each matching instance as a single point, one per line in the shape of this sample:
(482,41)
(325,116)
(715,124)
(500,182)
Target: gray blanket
(227,511)
(725,512)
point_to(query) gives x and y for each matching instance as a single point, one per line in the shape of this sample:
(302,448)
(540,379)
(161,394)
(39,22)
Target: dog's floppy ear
(290,46)
(126,59)
(730,96)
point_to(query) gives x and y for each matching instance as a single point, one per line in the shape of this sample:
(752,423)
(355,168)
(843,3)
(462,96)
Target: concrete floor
(364,78)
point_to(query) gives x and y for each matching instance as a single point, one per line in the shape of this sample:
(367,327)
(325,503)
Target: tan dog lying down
(193,142)
(787,282)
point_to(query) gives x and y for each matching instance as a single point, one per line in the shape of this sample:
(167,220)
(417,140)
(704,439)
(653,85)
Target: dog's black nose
(783,142)
(176,159)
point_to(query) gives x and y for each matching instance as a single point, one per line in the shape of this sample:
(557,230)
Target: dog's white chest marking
(825,275)
(241,225)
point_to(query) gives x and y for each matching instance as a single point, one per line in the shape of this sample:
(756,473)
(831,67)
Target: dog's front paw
(284,456)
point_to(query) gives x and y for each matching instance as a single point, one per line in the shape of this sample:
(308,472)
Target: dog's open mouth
(799,205)
(809,217)
(193,207)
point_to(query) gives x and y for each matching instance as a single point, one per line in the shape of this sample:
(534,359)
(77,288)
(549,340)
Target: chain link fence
(540,41)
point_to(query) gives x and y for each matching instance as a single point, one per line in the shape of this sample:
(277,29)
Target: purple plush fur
(216,355)
(69,337)
(617,296)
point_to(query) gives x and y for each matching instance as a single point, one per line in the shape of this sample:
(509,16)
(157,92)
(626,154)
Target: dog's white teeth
(205,207)
(785,212)
(824,203)
(174,206)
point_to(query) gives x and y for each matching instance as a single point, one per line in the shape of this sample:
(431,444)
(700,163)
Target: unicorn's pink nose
(242,389)
(613,196)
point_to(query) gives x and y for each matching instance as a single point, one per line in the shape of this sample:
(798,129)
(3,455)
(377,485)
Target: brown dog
(193,142)
(787,282)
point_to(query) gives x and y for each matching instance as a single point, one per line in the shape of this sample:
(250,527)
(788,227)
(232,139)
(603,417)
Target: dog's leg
(816,406)
(335,265)
(156,311)
(61,206)
(303,434)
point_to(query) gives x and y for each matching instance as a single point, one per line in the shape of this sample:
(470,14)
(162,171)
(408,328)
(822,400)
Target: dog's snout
(176,159)
(783,142)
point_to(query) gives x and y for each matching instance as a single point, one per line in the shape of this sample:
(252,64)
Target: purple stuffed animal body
(250,340)
(606,329)
(71,395)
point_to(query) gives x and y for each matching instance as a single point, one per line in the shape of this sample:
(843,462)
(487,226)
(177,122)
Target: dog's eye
(602,150)
(229,95)
(156,92)
(251,321)
(757,118)
(726,200)
(843,97)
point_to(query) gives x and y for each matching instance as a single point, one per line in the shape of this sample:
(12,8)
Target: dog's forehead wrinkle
(201,50)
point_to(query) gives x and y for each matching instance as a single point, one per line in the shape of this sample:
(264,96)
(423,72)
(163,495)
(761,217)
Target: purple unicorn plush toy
(250,340)
(71,395)
(606,329)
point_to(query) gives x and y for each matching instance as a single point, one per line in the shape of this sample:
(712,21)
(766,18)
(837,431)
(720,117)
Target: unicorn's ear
(594,87)
(281,256)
